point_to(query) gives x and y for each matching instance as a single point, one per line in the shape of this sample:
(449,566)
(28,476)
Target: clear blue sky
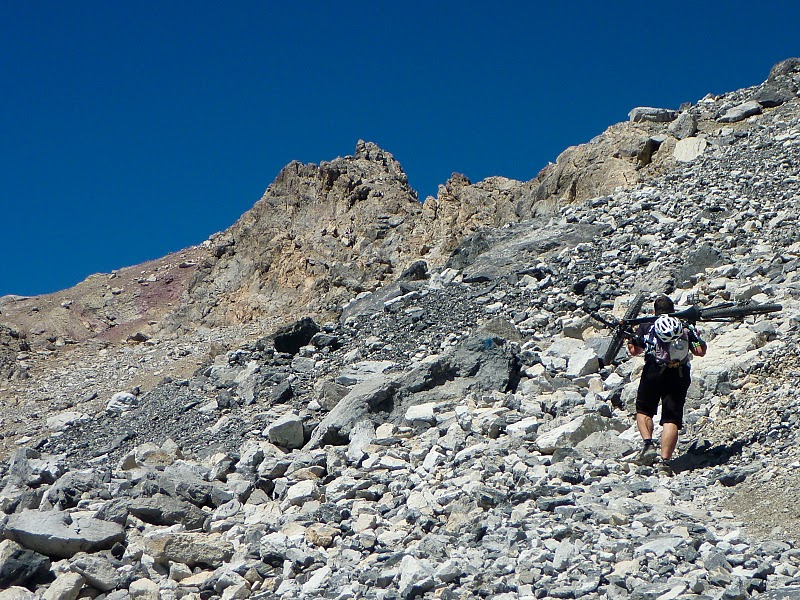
(132,129)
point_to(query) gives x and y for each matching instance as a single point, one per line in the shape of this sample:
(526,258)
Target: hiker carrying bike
(668,344)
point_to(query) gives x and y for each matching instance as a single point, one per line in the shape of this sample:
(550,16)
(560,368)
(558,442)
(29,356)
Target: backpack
(667,353)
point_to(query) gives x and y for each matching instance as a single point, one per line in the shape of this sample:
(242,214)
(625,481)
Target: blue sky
(132,129)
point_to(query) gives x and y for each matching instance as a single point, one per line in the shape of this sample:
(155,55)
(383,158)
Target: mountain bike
(622,329)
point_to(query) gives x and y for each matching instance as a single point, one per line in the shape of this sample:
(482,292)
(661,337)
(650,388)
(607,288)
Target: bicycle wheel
(738,311)
(618,336)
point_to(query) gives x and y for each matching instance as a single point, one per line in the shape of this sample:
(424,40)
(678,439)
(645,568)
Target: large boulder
(575,431)
(740,112)
(684,126)
(578,358)
(72,487)
(99,571)
(158,510)
(286,432)
(651,114)
(61,535)
(686,150)
(191,549)
(291,338)
(770,96)
(786,73)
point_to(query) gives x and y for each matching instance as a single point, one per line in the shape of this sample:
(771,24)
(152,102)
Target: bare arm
(633,348)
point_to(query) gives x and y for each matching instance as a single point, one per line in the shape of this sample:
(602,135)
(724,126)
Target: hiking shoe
(665,468)
(648,456)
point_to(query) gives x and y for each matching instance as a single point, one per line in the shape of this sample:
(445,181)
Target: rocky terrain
(351,394)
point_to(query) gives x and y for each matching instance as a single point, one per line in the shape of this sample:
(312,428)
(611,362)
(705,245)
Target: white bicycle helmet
(668,328)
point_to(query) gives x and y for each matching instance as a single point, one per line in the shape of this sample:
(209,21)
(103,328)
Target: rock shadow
(701,454)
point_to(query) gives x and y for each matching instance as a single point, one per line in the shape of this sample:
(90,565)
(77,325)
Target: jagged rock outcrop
(323,233)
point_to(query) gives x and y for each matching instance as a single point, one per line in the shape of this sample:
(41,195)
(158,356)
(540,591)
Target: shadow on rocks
(701,454)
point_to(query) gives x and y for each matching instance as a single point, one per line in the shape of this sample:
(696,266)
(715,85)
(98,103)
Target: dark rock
(784,71)
(418,271)
(291,338)
(22,567)
(325,340)
(163,510)
(468,250)
(490,360)
(549,504)
(281,393)
(770,96)
(115,511)
(138,338)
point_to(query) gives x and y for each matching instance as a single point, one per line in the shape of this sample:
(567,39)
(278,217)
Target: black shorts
(667,385)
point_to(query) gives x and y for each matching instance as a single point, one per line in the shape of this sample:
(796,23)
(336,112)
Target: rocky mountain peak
(372,152)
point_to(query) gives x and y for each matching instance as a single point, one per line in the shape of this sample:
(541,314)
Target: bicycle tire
(738,311)
(618,336)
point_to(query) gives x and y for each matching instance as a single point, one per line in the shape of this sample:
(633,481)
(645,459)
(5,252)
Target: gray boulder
(770,96)
(281,393)
(489,360)
(69,489)
(575,431)
(786,74)
(579,358)
(67,586)
(684,126)
(58,534)
(653,115)
(416,577)
(606,444)
(30,468)
(741,112)
(686,150)
(286,432)
(164,510)
(486,363)
(182,480)
(99,571)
